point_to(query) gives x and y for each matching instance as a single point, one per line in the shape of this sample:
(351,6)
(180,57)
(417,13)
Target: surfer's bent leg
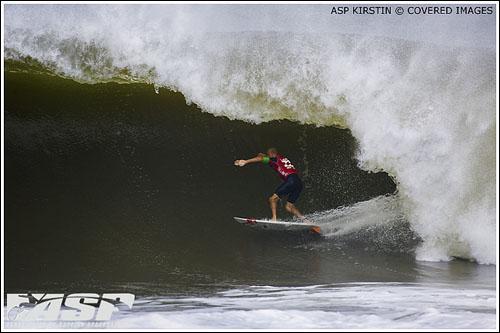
(290,207)
(295,188)
(273,201)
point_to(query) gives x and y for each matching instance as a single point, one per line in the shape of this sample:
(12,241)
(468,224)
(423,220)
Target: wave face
(422,112)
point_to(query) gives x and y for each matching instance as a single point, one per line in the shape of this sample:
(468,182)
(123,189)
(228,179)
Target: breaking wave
(422,112)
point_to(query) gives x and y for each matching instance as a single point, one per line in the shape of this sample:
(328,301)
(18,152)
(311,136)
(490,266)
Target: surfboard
(278,225)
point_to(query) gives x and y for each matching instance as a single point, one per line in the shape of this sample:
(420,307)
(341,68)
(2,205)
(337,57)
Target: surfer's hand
(240,163)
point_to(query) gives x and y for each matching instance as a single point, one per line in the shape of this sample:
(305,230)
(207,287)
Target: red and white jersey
(282,166)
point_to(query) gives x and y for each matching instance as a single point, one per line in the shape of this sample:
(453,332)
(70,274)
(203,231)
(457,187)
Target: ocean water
(121,125)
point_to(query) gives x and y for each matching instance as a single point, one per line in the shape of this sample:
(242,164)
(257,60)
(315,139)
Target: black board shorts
(290,188)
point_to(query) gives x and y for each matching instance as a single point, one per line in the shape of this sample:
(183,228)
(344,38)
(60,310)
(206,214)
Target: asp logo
(66,307)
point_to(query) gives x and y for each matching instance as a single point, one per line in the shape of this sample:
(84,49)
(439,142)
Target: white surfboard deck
(278,225)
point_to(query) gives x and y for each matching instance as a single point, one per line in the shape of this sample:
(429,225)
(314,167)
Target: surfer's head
(272,152)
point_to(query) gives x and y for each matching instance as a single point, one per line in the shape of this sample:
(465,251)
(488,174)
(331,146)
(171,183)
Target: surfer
(291,186)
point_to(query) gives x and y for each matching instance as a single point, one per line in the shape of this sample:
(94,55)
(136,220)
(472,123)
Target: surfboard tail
(315,230)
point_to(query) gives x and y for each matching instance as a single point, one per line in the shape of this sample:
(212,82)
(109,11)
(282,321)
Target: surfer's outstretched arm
(255,159)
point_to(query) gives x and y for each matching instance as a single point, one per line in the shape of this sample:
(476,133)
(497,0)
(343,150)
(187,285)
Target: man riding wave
(291,186)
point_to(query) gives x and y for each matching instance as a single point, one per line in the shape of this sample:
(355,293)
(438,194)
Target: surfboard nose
(250,221)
